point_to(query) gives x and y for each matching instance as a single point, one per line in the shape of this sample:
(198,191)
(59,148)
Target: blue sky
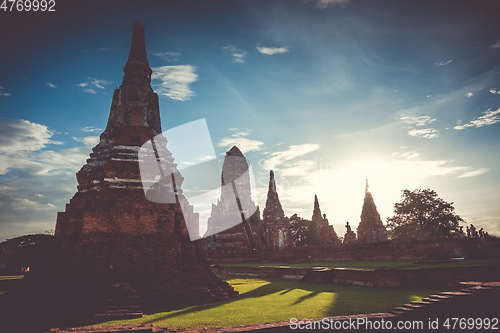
(325,92)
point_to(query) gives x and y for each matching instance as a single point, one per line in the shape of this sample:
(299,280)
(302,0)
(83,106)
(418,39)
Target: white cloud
(90,129)
(474,173)
(417,121)
(23,135)
(237,54)
(494,91)
(168,56)
(50,85)
(108,49)
(240,140)
(322,4)
(34,174)
(294,151)
(490,117)
(99,84)
(496,45)
(24,204)
(272,50)
(175,81)
(2,92)
(427,133)
(443,63)
(469,94)
(89,141)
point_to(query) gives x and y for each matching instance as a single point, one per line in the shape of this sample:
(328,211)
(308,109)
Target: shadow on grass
(345,300)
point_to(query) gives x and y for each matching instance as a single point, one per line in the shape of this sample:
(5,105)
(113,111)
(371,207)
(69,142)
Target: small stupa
(370,229)
(324,232)
(276,227)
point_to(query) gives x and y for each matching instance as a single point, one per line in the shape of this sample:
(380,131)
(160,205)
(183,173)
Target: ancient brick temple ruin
(110,231)
(370,229)
(234,223)
(275,225)
(325,234)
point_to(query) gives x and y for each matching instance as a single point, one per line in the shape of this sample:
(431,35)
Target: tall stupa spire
(134,117)
(111,223)
(137,70)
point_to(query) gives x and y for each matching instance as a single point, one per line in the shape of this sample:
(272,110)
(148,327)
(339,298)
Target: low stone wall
(281,272)
(397,249)
(387,278)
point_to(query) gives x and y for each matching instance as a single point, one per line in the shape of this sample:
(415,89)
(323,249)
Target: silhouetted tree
(26,250)
(303,231)
(421,214)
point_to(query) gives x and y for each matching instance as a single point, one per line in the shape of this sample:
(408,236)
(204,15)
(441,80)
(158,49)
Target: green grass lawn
(268,300)
(374,264)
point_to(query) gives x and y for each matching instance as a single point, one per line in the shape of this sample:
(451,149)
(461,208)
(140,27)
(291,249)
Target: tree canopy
(421,214)
(303,231)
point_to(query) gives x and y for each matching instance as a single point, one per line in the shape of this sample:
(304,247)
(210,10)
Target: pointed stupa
(370,228)
(325,234)
(110,224)
(137,66)
(276,226)
(317,217)
(232,228)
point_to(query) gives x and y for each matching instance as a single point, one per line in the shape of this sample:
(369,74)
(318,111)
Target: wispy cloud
(99,83)
(2,92)
(90,129)
(427,133)
(294,151)
(107,49)
(322,4)
(496,45)
(473,173)
(240,140)
(272,50)
(417,121)
(174,81)
(168,56)
(237,54)
(26,204)
(93,84)
(50,85)
(442,63)
(469,94)
(22,135)
(89,141)
(489,117)
(38,181)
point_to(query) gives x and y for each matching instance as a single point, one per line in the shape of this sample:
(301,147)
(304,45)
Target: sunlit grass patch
(268,300)
(11,277)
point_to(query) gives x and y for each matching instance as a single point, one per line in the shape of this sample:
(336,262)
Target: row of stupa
(273,232)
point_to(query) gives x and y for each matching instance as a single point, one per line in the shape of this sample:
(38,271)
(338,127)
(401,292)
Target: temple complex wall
(398,249)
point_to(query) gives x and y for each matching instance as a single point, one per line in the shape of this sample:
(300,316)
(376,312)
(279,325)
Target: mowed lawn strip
(372,265)
(270,299)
